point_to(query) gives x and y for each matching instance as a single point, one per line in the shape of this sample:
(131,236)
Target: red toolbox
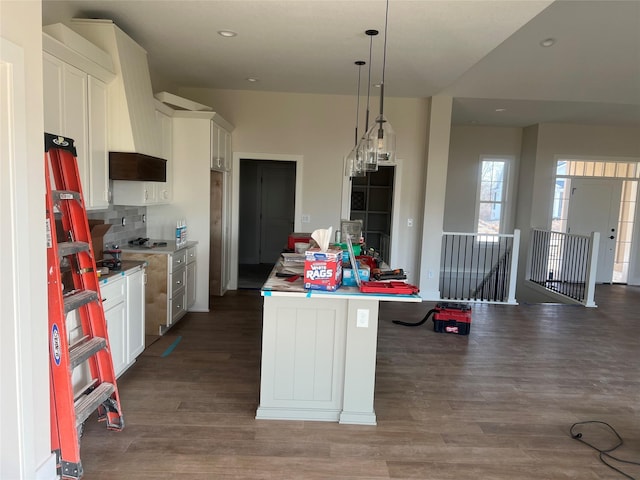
(397,288)
(452,318)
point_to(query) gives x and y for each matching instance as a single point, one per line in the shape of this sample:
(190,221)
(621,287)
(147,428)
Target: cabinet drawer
(178,280)
(191,254)
(178,259)
(178,306)
(112,293)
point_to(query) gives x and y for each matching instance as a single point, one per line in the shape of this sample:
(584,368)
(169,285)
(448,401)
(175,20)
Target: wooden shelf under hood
(137,166)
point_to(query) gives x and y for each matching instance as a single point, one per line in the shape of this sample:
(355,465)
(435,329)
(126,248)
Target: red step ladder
(73,286)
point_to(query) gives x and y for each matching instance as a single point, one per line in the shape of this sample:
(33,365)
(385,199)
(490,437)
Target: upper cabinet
(136,126)
(75,106)
(221,156)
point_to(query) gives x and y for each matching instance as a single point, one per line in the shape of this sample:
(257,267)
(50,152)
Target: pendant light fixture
(366,146)
(354,164)
(381,139)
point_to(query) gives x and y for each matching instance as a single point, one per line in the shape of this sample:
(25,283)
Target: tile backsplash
(133,228)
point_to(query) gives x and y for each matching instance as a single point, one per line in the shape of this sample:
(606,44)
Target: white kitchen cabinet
(165,127)
(135,282)
(75,106)
(115,313)
(191,276)
(221,156)
(98,158)
(123,301)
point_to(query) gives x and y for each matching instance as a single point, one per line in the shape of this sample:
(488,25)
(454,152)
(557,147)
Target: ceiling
(484,53)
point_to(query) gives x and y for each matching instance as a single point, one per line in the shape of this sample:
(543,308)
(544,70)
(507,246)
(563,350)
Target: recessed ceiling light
(501,109)
(548,42)
(252,79)
(227,33)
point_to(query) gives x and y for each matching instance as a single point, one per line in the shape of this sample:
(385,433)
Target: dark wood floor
(497,404)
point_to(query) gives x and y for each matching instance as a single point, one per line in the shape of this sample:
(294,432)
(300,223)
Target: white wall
(590,141)
(467,144)
(25,448)
(541,144)
(320,129)
(536,148)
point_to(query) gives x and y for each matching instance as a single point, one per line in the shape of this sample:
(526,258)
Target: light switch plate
(362,318)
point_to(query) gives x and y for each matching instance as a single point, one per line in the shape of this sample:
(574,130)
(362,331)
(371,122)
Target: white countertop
(128,267)
(281,287)
(169,248)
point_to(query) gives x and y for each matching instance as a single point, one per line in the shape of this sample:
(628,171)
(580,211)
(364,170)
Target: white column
(360,362)
(436,180)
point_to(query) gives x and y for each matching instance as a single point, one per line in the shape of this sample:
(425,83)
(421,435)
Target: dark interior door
(277,208)
(267,206)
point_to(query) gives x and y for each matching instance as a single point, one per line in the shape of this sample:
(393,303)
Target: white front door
(594,206)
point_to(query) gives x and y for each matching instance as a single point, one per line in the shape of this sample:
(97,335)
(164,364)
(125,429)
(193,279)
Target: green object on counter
(343,246)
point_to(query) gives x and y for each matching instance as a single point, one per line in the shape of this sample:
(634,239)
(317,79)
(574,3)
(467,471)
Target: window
(492,196)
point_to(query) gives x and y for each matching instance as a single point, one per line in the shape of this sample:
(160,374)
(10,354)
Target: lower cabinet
(135,313)
(123,301)
(115,314)
(124,306)
(170,286)
(191,276)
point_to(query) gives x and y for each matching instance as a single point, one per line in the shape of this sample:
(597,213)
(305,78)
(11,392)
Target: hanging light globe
(354,163)
(382,140)
(369,155)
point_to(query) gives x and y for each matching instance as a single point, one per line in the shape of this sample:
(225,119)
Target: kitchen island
(319,352)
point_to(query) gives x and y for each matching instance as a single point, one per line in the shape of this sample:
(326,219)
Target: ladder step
(89,403)
(70,248)
(85,348)
(65,195)
(78,299)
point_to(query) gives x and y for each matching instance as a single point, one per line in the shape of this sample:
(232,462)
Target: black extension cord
(604,454)
(417,324)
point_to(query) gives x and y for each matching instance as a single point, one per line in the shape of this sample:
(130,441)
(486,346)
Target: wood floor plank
(494,405)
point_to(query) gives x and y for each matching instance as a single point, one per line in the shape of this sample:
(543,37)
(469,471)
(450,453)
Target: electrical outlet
(409,222)
(306,218)
(362,318)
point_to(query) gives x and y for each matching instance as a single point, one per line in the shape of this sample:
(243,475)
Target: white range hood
(131,110)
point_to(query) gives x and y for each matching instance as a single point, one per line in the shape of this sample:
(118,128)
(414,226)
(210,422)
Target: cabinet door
(74,117)
(52,93)
(165,191)
(116,318)
(228,156)
(191,284)
(134,193)
(135,314)
(216,155)
(98,194)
